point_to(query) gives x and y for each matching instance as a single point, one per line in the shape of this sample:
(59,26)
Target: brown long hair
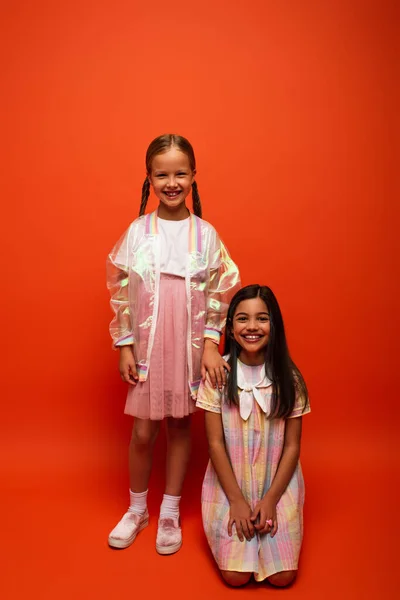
(159,145)
(286,378)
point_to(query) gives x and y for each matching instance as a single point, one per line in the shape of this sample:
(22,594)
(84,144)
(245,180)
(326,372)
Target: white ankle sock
(138,502)
(170,506)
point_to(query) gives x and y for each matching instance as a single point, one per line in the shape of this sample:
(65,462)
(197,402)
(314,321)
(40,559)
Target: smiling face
(251,328)
(171,177)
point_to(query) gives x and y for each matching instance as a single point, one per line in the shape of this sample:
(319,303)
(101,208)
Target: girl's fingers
(274,528)
(128,378)
(239,531)
(133,370)
(245,529)
(226,366)
(265,529)
(211,373)
(218,378)
(133,374)
(263,518)
(260,524)
(223,375)
(250,527)
(230,523)
(260,527)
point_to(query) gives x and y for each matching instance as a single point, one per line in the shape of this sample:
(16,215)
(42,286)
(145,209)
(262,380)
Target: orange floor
(56,521)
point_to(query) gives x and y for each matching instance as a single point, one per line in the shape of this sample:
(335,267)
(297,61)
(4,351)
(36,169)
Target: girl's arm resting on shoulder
(223,282)
(265,509)
(213,364)
(240,511)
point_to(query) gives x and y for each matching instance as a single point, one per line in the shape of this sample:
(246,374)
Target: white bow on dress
(248,391)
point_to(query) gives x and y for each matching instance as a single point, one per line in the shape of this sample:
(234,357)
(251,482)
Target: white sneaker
(123,534)
(169,536)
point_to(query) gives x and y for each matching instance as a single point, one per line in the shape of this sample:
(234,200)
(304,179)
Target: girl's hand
(240,513)
(213,364)
(264,511)
(127,365)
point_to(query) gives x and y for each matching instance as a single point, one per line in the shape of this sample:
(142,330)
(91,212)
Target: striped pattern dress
(254,447)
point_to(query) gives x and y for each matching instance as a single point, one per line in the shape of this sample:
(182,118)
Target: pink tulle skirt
(166,391)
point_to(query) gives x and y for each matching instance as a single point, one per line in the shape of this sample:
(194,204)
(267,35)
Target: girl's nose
(252,325)
(171,182)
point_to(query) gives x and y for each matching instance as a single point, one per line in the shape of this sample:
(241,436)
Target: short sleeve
(301,406)
(209,398)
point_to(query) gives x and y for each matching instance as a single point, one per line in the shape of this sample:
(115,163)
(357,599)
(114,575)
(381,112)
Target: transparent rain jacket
(133,278)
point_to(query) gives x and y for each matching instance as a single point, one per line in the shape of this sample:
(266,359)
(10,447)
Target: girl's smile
(252,338)
(172,197)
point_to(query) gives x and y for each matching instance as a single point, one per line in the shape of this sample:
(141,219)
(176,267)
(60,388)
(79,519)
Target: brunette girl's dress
(254,445)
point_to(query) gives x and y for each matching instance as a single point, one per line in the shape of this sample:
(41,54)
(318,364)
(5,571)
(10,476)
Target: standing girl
(170,279)
(253,491)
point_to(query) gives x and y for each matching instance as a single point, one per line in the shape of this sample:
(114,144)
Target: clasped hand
(264,516)
(261,520)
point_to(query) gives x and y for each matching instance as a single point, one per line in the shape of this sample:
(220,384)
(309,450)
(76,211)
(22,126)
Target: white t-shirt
(174,246)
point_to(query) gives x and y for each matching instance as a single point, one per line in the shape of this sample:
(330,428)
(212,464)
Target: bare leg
(144,435)
(178,453)
(282,579)
(235,578)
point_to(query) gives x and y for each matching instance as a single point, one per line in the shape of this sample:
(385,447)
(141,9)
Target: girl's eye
(264,319)
(181,174)
(241,319)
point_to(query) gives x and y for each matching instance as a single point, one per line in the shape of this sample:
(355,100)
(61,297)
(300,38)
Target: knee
(144,434)
(235,579)
(179,427)
(283,578)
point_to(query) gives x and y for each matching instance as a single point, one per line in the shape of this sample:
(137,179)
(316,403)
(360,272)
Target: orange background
(290,108)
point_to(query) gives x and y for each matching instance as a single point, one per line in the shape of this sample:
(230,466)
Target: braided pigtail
(145,196)
(196,200)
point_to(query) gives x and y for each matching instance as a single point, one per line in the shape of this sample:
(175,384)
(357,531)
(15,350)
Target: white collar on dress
(248,391)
